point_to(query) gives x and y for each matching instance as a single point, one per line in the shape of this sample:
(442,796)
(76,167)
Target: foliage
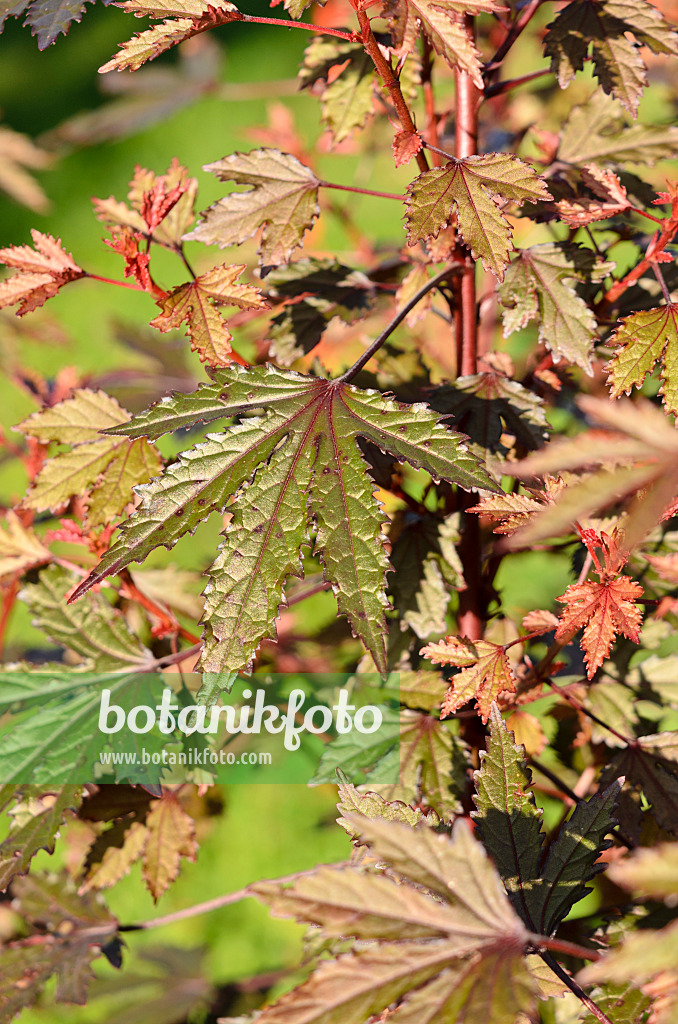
(439,448)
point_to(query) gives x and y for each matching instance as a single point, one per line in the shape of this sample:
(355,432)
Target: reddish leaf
(41,272)
(486,672)
(405,146)
(125,242)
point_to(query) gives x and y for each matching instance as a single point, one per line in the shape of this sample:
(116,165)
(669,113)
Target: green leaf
(473,188)
(347,99)
(314,292)
(78,926)
(315,424)
(374,807)
(488,405)
(106,467)
(603,27)
(35,822)
(644,339)
(94,629)
(359,756)
(440,21)
(185,18)
(597,131)
(47,18)
(651,766)
(283,201)
(506,814)
(571,860)
(536,288)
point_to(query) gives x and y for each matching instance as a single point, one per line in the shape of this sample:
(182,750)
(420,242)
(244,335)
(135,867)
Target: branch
(219,901)
(363,191)
(385,72)
(351,37)
(574,987)
(566,948)
(395,322)
(521,22)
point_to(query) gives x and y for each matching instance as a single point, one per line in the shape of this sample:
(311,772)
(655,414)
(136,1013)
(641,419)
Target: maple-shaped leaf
(36,817)
(164,201)
(47,18)
(611,198)
(107,468)
(20,547)
(95,630)
(643,339)
(485,672)
(602,609)
(487,406)
(197,302)
(68,931)
(423,759)
(183,19)
(469,938)
(473,189)
(17,153)
(650,767)
(603,27)
(426,566)
(441,22)
(283,201)
(41,272)
(343,76)
(170,836)
(314,291)
(126,243)
(539,286)
(573,860)
(307,439)
(511,512)
(597,131)
(506,815)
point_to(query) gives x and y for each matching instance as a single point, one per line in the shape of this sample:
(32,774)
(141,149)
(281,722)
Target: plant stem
(351,37)
(111,280)
(395,322)
(470,619)
(658,243)
(574,987)
(594,718)
(558,783)
(515,30)
(218,901)
(362,191)
(566,948)
(662,283)
(429,99)
(512,83)
(387,75)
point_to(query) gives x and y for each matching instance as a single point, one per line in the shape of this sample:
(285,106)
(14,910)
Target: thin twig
(514,31)
(574,987)
(662,283)
(395,322)
(566,948)
(512,83)
(363,191)
(351,37)
(219,901)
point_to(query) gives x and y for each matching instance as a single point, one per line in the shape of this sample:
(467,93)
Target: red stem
(566,948)
(386,73)
(110,280)
(351,37)
(515,30)
(466,328)
(363,191)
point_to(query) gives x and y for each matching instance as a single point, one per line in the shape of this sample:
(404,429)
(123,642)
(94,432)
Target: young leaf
(95,630)
(644,339)
(611,199)
(35,822)
(347,74)
(486,672)
(195,303)
(41,272)
(506,814)
(440,22)
(283,201)
(473,187)
(146,190)
(604,26)
(170,836)
(571,860)
(185,18)
(105,467)
(315,425)
(20,548)
(603,610)
(535,288)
